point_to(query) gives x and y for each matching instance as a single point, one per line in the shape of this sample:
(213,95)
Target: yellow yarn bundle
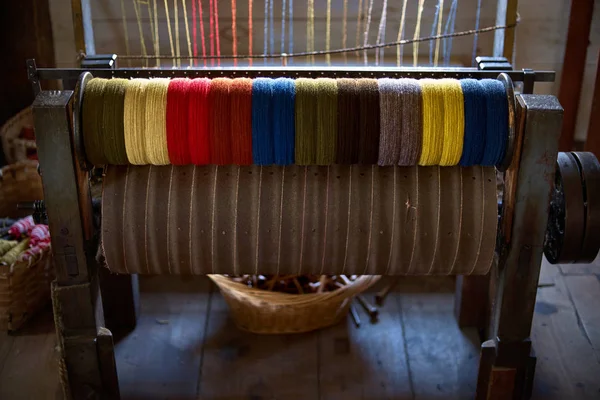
(433,121)
(157,151)
(454,121)
(135,122)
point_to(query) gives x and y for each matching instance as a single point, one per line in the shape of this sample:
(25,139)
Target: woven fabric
(296,220)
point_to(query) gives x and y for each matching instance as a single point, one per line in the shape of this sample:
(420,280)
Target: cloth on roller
(348,219)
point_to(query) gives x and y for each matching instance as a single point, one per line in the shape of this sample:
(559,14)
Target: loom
(353,218)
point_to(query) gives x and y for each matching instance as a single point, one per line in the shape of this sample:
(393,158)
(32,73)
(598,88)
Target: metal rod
(293,72)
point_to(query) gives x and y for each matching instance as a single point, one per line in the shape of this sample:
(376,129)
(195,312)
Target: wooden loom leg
(120,300)
(87,363)
(507,363)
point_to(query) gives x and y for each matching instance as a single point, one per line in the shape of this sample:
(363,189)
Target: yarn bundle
(283,121)
(23,241)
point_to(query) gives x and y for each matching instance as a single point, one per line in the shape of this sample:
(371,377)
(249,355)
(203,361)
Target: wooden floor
(186,347)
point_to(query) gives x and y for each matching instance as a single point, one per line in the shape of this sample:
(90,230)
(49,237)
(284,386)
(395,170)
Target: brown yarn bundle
(368,90)
(390,121)
(92,111)
(348,121)
(220,122)
(326,121)
(306,124)
(411,122)
(113,140)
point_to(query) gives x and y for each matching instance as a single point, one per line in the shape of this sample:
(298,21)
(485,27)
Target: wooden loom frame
(88,368)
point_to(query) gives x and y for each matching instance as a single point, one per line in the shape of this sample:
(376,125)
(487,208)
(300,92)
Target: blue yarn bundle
(262,132)
(474,97)
(496,132)
(284,112)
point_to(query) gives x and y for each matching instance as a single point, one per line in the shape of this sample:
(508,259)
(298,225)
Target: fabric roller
(351,219)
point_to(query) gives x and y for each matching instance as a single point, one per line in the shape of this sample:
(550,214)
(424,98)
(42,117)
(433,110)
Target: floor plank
(239,365)
(443,359)
(32,358)
(585,293)
(365,363)
(566,365)
(161,358)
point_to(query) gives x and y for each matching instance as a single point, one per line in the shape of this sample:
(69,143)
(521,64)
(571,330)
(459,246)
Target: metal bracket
(528,80)
(493,63)
(33,76)
(108,61)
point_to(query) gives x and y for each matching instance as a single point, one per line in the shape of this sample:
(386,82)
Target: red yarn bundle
(198,125)
(220,122)
(177,121)
(240,94)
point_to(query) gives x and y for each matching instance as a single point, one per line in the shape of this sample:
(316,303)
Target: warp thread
(306,124)
(475,122)
(368,91)
(177,121)
(326,121)
(262,123)
(157,151)
(348,121)
(134,119)
(219,122)
(496,132)
(412,122)
(390,121)
(113,140)
(284,99)
(240,94)
(92,110)
(198,115)
(454,122)
(433,122)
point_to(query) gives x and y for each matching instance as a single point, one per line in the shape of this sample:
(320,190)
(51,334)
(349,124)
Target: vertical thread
(125,30)
(265,31)
(345,30)
(262,130)
(411,135)
(234,29)
(366,33)
(454,122)
(399,48)
(496,132)
(291,28)
(381,32)
(250,31)
(240,93)
(359,21)
(326,121)
(156,35)
(92,110)
(177,47)
(476,35)
(198,117)
(390,121)
(134,119)
(283,10)
(211,21)
(328,33)
(201,17)
(113,140)
(177,121)
(284,101)
(369,121)
(433,122)
(187,29)
(138,17)
(449,29)
(310,29)
(272,29)
(194,32)
(169,29)
(475,122)
(217,35)
(219,122)
(348,121)
(306,114)
(156,121)
(417,32)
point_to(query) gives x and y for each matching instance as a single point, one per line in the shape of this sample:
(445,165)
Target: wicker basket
(15,148)
(24,286)
(262,311)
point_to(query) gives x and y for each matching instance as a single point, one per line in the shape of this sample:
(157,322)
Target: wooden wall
(540,35)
